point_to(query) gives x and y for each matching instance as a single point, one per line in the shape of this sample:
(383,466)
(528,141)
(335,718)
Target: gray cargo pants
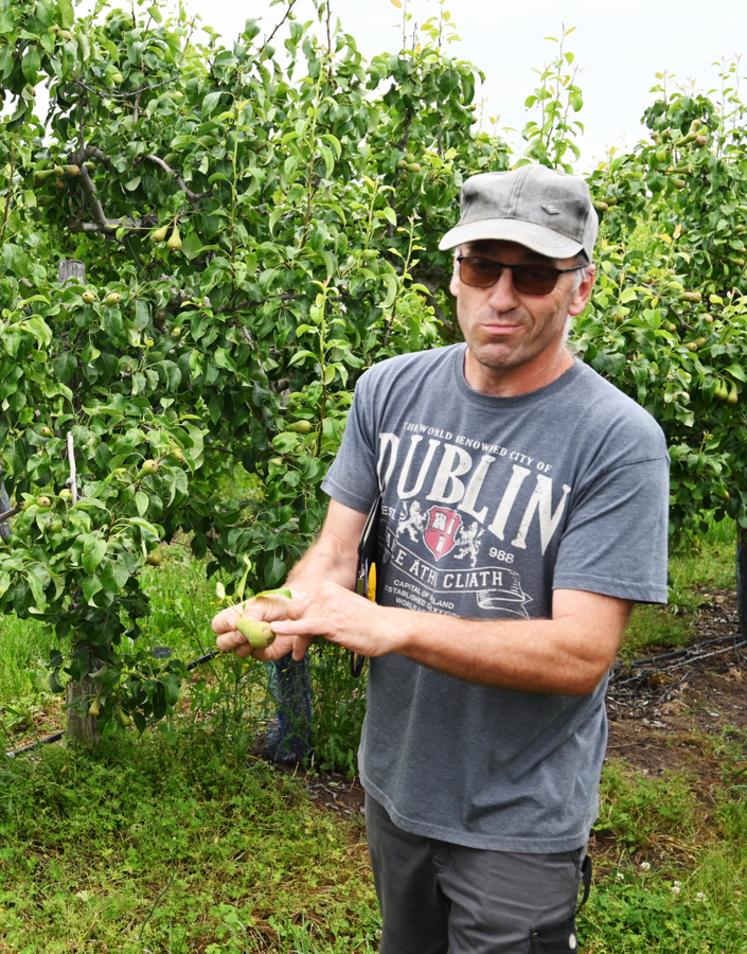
(440,898)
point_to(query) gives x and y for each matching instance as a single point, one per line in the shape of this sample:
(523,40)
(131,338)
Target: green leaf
(5,580)
(64,366)
(191,245)
(328,159)
(91,586)
(390,215)
(149,529)
(30,65)
(94,551)
(171,685)
(67,14)
(210,102)
(37,577)
(300,356)
(7,56)
(223,360)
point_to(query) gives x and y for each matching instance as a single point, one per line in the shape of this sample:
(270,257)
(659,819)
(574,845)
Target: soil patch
(665,708)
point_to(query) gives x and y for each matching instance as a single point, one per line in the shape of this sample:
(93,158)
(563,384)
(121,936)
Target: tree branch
(105,224)
(89,189)
(110,225)
(194,197)
(9,513)
(269,39)
(103,93)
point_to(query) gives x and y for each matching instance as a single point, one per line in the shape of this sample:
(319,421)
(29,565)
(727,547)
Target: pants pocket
(557,938)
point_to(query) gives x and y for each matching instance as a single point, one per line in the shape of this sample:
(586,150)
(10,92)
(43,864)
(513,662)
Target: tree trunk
(70,269)
(4,507)
(742,579)
(81,727)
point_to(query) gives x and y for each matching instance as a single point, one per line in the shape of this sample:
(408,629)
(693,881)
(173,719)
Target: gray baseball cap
(547,211)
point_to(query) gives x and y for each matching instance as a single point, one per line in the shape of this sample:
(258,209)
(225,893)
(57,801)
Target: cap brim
(539,239)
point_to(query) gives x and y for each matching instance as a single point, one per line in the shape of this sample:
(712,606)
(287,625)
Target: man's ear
(583,292)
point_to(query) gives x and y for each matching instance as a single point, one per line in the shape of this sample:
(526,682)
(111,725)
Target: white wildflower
(645,866)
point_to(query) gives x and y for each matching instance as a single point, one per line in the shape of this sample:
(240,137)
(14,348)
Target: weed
(646,813)
(642,910)
(174,846)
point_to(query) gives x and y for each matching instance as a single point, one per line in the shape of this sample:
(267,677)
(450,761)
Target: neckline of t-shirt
(492,400)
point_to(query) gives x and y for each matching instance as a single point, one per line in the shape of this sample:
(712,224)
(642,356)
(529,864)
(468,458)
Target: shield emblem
(440,534)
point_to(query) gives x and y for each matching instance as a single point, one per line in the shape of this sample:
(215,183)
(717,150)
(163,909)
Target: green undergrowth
(698,566)
(174,842)
(671,858)
(177,841)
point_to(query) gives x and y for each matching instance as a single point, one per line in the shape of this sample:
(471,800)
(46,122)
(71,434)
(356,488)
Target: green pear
(257,633)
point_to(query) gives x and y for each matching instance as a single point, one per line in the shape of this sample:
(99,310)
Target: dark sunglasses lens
(528,279)
(534,279)
(479,272)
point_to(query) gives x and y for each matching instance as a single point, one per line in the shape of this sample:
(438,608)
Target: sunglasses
(528,279)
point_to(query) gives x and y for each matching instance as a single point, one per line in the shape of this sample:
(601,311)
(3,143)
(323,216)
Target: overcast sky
(619,47)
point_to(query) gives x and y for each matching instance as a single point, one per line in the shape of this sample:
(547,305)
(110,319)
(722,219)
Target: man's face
(516,339)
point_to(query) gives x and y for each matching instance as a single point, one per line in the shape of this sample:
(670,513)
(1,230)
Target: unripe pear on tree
(299,427)
(150,466)
(175,240)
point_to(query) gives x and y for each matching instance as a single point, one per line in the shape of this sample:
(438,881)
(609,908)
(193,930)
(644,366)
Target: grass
(179,842)
(698,565)
(174,843)
(677,865)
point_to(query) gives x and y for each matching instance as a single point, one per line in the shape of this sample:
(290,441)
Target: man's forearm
(568,654)
(539,655)
(322,561)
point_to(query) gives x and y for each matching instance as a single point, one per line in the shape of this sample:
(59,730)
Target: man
(537,496)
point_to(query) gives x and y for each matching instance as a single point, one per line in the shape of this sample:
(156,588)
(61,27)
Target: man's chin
(496,357)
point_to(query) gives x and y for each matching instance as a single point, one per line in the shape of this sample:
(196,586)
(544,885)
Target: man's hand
(267,608)
(332,557)
(341,617)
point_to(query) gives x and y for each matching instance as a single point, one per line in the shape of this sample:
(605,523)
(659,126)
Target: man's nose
(503,294)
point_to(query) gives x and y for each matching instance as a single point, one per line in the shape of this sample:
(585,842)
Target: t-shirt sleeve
(352,478)
(615,542)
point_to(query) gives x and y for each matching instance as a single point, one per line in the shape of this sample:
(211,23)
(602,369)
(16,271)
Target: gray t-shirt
(488,505)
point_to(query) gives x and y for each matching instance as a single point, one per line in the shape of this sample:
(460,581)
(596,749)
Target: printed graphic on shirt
(464,511)
(429,586)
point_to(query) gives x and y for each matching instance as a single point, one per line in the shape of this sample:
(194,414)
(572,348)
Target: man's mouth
(500,327)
